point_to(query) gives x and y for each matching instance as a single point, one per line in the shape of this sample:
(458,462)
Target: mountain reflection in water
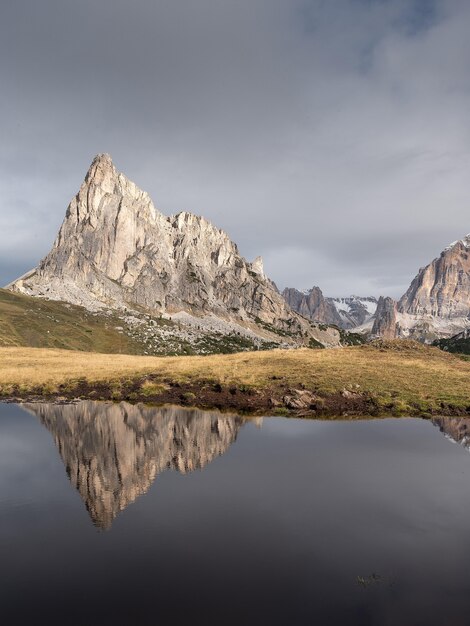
(114,452)
(456,429)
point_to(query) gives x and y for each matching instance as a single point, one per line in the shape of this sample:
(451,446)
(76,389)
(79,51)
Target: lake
(122,514)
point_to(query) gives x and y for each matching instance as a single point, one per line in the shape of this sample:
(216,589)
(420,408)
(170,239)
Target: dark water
(114,514)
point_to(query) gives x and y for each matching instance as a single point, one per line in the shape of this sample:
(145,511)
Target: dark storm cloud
(330,137)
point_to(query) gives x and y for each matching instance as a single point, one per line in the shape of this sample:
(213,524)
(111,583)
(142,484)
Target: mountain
(43,323)
(116,251)
(347,313)
(442,288)
(437,303)
(114,452)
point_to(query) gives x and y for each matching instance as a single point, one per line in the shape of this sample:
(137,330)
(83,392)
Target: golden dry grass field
(402,375)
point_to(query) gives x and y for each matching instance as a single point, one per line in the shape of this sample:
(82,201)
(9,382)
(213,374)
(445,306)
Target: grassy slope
(400,377)
(26,321)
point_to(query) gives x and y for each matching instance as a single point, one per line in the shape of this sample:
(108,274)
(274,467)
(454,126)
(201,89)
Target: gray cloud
(330,137)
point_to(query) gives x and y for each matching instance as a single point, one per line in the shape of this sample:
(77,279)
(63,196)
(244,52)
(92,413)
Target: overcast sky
(330,136)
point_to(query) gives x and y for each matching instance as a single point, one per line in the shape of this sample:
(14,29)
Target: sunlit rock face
(114,452)
(437,303)
(442,288)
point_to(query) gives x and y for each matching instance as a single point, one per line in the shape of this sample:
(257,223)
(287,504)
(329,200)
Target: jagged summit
(465,242)
(116,250)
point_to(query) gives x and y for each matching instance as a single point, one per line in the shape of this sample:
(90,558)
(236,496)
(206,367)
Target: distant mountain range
(347,313)
(436,304)
(116,254)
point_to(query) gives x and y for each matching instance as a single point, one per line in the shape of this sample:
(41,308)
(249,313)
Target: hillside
(26,321)
(39,323)
(383,378)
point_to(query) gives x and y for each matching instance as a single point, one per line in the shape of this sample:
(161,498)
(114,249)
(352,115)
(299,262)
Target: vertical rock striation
(442,288)
(437,303)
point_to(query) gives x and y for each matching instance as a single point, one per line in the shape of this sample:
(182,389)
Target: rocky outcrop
(114,452)
(347,313)
(385,320)
(116,250)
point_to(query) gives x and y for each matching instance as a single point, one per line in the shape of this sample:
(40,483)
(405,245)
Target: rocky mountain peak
(437,302)
(442,288)
(115,250)
(102,173)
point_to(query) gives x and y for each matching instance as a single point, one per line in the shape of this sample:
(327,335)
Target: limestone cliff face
(442,288)
(385,320)
(437,303)
(114,452)
(115,249)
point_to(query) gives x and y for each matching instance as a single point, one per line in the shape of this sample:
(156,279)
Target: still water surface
(120,514)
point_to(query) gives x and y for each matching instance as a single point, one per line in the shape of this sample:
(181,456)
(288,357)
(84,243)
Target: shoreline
(395,378)
(273,401)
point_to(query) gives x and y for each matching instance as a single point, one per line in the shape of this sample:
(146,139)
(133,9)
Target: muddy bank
(276,399)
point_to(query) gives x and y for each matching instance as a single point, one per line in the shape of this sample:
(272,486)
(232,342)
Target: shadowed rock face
(385,321)
(313,305)
(114,452)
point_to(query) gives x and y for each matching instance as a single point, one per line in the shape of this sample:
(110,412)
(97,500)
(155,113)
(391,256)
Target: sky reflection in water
(274,521)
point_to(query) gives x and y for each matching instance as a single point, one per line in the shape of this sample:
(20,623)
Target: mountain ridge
(348,313)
